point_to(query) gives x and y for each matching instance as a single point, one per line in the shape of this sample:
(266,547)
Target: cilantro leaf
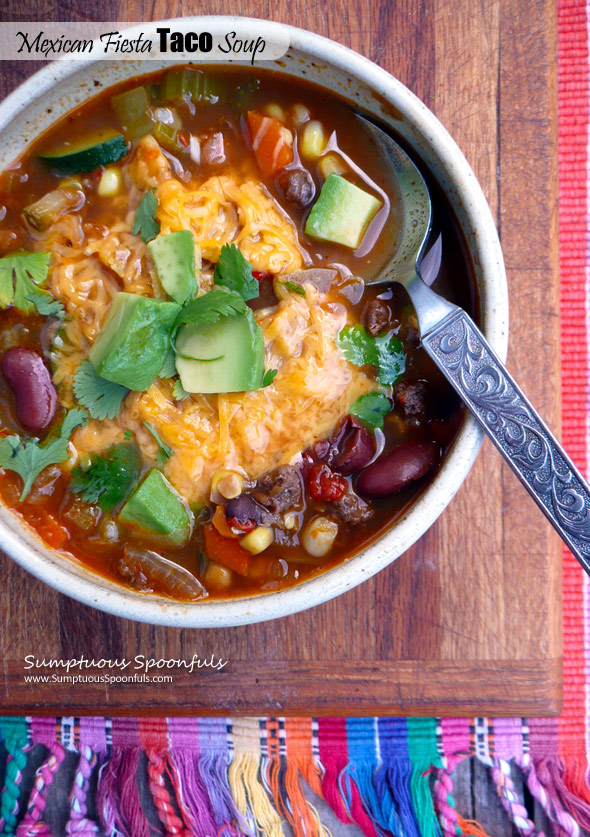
(234,272)
(164,450)
(108,479)
(210,307)
(146,224)
(168,370)
(371,409)
(46,305)
(127,435)
(269,377)
(357,346)
(28,458)
(391,359)
(102,398)
(20,277)
(294,288)
(179,392)
(384,352)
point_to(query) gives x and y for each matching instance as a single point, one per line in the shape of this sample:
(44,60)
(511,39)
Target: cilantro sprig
(164,450)
(210,308)
(27,457)
(102,398)
(46,305)
(21,277)
(384,352)
(179,393)
(233,271)
(371,409)
(269,377)
(110,476)
(145,223)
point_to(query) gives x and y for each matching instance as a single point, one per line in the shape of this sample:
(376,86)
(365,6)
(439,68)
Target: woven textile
(213,777)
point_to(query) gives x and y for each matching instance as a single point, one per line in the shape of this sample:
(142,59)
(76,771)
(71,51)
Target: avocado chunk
(156,507)
(342,212)
(87,154)
(228,355)
(174,258)
(135,340)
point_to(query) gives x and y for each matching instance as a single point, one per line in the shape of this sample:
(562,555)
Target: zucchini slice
(98,149)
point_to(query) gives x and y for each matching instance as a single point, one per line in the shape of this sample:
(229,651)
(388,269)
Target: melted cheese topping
(250,432)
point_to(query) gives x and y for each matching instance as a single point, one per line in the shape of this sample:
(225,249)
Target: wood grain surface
(469,620)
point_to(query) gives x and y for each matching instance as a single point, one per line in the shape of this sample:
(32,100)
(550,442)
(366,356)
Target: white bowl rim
(93,590)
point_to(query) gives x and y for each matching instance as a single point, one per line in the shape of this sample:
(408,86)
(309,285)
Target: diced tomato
(272,142)
(324,484)
(52,532)
(261,275)
(184,138)
(226,551)
(244,526)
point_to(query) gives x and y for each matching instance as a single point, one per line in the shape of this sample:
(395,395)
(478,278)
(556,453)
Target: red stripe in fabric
(334,757)
(153,734)
(573,172)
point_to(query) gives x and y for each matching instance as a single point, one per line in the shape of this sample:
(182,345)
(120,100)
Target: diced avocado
(174,258)
(134,341)
(79,156)
(157,507)
(235,346)
(342,212)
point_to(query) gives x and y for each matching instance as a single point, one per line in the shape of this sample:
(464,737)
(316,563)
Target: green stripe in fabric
(423,755)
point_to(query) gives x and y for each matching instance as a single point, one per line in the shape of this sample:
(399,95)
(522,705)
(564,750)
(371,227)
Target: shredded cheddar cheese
(251,432)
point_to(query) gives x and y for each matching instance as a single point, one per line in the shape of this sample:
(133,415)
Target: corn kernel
(313,140)
(300,114)
(258,539)
(223,484)
(331,164)
(110,183)
(276,111)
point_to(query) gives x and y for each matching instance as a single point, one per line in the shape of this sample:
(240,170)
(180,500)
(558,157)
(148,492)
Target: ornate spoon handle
(461,351)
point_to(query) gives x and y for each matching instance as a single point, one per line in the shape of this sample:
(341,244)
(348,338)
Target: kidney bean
(398,469)
(353,448)
(29,379)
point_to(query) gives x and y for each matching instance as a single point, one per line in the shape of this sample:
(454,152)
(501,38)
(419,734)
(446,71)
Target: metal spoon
(462,353)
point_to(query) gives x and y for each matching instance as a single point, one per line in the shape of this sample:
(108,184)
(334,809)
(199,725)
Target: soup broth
(222,405)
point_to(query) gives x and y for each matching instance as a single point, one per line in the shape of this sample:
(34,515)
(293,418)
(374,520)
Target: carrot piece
(219,520)
(272,142)
(226,551)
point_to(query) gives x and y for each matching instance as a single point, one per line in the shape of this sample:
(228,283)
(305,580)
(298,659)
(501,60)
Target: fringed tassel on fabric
(513,806)
(118,801)
(192,793)
(282,780)
(32,824)
(157,767)
(213,768)
(14,736)
(78,823)
(392,783)
(250,796)
(541,782)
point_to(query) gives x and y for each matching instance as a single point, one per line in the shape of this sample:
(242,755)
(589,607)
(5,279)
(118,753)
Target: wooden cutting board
(469,620)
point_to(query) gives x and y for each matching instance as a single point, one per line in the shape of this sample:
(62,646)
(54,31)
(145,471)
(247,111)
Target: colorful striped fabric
(213,777)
